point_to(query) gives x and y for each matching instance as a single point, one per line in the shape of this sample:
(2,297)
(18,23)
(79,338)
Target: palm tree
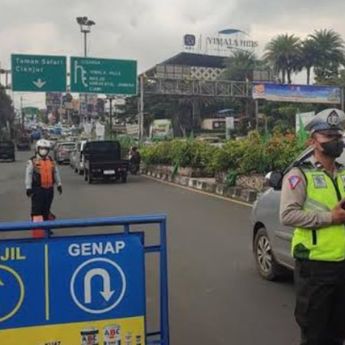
(283,52)
(308,56)
(329,54)
(240,66)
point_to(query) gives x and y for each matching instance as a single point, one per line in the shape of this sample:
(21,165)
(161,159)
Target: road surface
(216,296)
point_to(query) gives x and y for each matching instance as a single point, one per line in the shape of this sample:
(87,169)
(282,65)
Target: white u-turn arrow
(106,293)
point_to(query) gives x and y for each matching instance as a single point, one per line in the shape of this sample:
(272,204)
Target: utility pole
(21,110)
(141,110)
(111,116)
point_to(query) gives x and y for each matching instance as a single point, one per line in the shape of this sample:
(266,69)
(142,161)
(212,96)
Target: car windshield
(67,147)
(102,147)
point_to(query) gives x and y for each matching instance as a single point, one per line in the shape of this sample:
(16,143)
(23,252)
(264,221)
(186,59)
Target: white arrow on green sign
(38,73)
(108,76)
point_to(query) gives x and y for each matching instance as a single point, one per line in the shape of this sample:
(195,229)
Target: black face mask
(333,148)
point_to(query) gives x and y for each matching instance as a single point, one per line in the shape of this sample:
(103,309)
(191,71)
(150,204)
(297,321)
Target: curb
(238,193)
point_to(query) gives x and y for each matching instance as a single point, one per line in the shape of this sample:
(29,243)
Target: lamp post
(85,28)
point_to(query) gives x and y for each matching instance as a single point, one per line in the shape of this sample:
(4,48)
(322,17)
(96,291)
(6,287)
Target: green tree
(329,54)
(308,56)
(283,53)
(7,114)
(240,66)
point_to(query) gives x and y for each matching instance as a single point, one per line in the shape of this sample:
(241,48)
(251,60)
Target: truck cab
(103,161)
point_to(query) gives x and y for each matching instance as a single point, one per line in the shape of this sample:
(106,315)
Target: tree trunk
(283,76)
(289,76)
(308,75)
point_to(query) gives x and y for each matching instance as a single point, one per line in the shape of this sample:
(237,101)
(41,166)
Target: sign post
(38,73)
(89,75)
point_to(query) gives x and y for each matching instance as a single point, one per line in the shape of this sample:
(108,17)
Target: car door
(283,234)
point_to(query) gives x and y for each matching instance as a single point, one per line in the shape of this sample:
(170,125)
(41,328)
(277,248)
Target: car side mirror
(275,179)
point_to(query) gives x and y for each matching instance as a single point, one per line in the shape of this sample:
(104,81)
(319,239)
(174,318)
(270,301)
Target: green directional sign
(38,73)
(89,75)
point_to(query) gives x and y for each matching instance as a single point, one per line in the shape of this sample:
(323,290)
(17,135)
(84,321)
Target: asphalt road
(216,296)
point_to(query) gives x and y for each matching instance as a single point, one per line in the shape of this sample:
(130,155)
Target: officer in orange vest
(41,176)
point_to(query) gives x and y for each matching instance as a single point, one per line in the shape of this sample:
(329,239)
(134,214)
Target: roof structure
(192,59)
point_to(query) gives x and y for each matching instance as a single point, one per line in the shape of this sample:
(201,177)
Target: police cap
(330,120)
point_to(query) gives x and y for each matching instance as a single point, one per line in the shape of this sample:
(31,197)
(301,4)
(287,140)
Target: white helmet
(43,143)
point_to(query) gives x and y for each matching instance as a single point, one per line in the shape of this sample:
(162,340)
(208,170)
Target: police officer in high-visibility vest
(313,201)
(41,176)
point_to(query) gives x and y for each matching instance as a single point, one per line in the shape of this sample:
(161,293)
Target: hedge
(253,154)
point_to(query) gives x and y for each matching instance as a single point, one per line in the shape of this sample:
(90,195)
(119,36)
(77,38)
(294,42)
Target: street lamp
(85,28)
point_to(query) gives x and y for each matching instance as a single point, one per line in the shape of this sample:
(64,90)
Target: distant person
(134,156)
(41,175)
(134,160)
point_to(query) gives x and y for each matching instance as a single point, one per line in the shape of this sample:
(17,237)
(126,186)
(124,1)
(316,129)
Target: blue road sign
(69,285)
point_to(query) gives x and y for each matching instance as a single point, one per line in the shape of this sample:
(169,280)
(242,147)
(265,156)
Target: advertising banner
(68,291)
(297,93)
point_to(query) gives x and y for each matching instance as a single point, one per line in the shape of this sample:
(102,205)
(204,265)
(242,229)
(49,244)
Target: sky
(150,31)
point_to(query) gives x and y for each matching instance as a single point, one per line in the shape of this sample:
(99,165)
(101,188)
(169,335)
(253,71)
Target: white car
(272,240)
(79,157)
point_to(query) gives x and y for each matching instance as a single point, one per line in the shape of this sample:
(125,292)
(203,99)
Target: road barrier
(84,289)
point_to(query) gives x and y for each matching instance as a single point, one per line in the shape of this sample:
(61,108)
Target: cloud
(150,31)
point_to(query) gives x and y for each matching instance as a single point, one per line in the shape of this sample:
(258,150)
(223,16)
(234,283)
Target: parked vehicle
(77,157)
(272,240)
(72,156)
(102,160)
(7,150)
(62,151)
(24,143)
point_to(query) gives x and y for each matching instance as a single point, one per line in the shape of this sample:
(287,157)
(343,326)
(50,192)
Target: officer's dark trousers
(41,201)
(320,302)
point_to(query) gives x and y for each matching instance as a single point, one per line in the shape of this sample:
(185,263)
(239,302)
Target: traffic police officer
(313,201)
(41,175)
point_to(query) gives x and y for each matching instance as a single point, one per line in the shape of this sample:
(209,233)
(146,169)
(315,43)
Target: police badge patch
(319,181)
(333,119)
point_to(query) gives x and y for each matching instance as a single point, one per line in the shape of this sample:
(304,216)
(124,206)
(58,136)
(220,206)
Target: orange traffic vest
(43,174)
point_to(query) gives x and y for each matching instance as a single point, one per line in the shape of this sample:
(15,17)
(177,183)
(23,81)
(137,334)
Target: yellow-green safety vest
(322,195)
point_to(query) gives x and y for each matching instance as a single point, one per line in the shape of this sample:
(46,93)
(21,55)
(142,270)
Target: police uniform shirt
(293,196)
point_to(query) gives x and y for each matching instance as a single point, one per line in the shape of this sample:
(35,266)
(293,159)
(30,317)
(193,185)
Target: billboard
(297,93)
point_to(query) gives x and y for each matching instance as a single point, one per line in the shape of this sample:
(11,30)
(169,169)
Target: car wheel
(266,264)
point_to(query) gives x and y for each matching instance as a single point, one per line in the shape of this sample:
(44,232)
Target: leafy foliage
(245,156)
(283,53)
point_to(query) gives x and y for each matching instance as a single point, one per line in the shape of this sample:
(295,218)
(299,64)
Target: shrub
(252,154)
